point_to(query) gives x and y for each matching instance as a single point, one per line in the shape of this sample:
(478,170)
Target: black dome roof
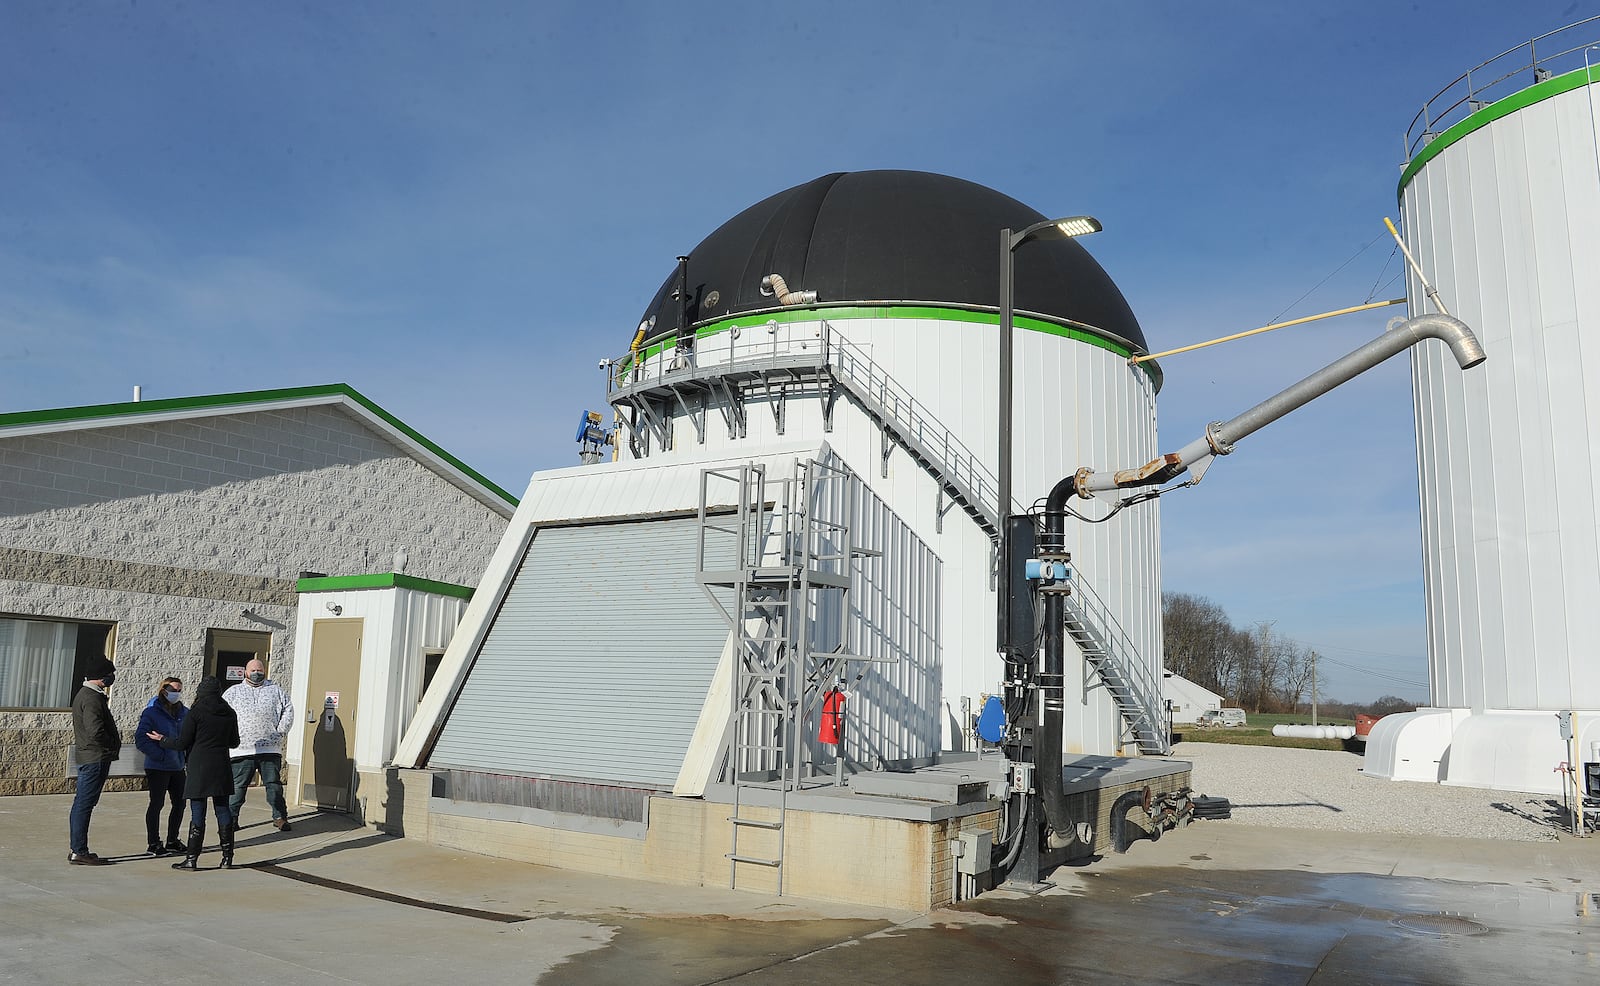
(872,237)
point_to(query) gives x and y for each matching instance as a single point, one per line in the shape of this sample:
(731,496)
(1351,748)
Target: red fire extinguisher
(832,725)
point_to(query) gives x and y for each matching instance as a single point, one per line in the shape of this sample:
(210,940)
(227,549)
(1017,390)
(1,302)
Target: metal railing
(911,419)
(950,460)
(1130,679)
(1511,71)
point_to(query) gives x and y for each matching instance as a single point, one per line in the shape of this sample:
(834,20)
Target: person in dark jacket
(97,742)
(209,730)
(163,768)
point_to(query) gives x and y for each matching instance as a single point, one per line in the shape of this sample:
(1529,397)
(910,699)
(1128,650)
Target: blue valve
(1039,570)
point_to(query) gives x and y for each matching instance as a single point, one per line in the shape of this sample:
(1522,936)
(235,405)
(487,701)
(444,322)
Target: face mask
(108,679)
(256,677)
(172,696)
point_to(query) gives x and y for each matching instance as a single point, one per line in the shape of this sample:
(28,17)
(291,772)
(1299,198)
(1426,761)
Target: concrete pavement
(334,903)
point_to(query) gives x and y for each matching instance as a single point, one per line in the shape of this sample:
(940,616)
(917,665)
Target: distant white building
(1187,699)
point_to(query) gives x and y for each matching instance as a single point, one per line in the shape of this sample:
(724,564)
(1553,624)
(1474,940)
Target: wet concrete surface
(1214,903)
(1172,925)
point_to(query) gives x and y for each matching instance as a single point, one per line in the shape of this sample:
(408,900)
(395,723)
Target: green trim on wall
(1538,92)
(382,580)
(96,412)
(1075,332)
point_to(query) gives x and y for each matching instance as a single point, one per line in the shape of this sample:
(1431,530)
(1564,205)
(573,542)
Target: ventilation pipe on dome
(774,285)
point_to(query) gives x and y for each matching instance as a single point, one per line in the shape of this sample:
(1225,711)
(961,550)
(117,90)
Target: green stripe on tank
(1075,332)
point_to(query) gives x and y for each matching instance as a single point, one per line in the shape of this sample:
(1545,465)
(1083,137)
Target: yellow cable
(1269,328)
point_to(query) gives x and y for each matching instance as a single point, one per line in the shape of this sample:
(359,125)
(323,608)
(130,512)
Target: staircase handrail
(852,364)
(1122,653)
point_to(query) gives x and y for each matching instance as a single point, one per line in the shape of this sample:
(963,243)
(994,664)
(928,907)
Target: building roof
(67,419)
(877,237)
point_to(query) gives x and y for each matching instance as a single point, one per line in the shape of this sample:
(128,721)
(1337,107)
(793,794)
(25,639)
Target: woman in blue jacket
(163,768)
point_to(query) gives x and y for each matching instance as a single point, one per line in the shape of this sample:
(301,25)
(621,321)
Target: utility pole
(1313,688)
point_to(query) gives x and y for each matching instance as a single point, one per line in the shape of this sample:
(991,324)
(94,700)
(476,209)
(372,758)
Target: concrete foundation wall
(883,862)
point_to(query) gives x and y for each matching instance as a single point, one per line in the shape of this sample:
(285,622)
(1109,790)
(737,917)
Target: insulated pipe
(1220,436)
(775,285)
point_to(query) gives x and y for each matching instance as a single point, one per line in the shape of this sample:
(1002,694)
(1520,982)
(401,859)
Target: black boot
(191,859)
(226,839)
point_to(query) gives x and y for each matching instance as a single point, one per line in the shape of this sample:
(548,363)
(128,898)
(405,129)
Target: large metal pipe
(1218,440)
(1221,436)
(1052,679)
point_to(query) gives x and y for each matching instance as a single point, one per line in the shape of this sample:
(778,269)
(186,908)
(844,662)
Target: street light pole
(1073,226)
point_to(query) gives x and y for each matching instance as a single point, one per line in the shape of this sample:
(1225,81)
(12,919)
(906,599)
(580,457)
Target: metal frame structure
(785,598)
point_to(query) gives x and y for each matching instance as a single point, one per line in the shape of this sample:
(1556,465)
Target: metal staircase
(779,573)
(1108,649)
(907,422)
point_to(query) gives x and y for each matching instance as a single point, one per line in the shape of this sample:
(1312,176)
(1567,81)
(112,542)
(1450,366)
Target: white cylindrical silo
(1502,211)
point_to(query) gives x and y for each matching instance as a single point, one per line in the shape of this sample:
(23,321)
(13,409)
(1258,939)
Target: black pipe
(684,339)
(1052,676)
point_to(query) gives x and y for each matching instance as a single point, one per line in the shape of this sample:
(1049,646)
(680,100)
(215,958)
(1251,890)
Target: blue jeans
(91,778)
(219,804)
(271,767)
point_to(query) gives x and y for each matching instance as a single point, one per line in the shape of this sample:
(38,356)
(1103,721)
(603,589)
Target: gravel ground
(1322,789)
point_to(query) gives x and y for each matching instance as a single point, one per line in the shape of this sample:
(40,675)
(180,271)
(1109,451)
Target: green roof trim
(1538,92)
(383,580)
(108,412)
(1074,331)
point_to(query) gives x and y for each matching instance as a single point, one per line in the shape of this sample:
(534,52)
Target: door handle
(311,718)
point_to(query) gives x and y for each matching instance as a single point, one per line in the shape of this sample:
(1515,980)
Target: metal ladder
(764,563)
(1107,647)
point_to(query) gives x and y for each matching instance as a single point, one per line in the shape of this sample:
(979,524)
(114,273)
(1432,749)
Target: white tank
(1078,403)
(1502,211)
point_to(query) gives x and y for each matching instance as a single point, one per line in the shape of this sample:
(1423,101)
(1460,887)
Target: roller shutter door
(598,662)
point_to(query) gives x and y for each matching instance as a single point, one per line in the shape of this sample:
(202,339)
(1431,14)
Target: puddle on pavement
(679,951)
(1150,924)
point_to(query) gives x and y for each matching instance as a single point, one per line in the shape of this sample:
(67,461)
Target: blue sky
(458,209)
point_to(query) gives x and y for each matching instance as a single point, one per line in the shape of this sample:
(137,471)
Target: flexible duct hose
(779,288)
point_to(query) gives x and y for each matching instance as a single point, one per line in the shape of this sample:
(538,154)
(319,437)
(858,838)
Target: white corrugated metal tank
(1505,221)
(1076,404)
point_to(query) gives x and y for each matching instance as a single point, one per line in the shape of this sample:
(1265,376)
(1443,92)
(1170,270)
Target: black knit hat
(97,668)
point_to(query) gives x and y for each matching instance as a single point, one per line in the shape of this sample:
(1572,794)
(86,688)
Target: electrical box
(1564,721)
(1022,777)
(972,851)
(1018,631)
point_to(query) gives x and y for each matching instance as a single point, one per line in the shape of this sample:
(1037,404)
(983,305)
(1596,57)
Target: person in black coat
(208,732)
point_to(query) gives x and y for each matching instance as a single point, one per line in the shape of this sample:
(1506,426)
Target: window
(42,661)
(430,667)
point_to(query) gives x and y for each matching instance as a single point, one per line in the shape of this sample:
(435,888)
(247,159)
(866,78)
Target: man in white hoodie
(265,716)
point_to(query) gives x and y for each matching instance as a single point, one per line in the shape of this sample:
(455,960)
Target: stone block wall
(170,529)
